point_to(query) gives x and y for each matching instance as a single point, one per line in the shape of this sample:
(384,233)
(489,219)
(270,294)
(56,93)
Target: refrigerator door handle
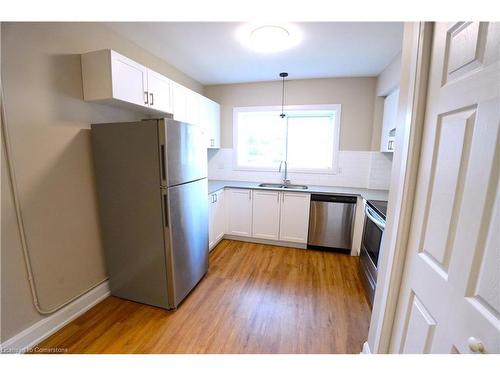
(162,164)
(165,207)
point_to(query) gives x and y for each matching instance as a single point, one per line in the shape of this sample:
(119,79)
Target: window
(307,138)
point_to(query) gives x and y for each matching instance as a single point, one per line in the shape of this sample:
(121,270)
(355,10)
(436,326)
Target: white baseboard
(42,329)
(266,242)
(366,348)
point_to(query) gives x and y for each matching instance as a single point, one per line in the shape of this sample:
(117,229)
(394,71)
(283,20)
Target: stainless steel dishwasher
(331,222)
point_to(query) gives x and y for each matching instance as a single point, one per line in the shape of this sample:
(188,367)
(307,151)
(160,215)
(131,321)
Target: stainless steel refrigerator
(152,196)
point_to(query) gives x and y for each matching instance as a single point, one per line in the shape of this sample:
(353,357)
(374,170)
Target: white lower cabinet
(239,212)
(294,217)
(266,214)
(216,218)
(260,214)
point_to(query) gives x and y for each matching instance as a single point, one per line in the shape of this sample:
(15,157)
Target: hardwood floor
(254,299)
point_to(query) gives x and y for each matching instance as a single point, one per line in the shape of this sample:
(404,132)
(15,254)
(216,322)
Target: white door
(239,212)
(294,218)
(159,91)
(266,214)
(450,294)
(220,216)
(129,80)
(212,211)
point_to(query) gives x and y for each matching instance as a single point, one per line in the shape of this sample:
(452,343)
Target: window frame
(312,107)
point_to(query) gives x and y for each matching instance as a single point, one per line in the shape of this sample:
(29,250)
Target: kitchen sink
(271,185)
(282,186)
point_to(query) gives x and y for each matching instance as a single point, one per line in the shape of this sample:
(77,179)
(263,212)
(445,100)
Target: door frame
(415,61)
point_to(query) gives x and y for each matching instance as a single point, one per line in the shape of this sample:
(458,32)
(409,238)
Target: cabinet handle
(146,97)
(278,196)
(152,101)
(249,195)
(212,142)
(215,197)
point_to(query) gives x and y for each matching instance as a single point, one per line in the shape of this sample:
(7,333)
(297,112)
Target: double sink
(283,186)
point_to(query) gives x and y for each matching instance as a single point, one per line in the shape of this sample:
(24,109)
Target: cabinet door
(220,216)
(179,102)
(192,107)
(294,222)
(239,212)
(211,221)
(266,214)
(210,121)
(160,92)
(129,80)
(214,125)
(389,119)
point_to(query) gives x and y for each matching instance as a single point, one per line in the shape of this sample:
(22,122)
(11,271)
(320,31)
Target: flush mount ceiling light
(268,38)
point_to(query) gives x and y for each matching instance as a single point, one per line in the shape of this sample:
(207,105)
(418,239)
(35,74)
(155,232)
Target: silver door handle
(165,208)
(215,197)
(249,195)
(152,101)
(146,97)
(373,217)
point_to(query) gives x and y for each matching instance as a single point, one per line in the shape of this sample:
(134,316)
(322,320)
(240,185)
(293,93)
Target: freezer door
(187,237)
(183,151)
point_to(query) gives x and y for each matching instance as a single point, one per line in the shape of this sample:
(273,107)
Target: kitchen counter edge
(368,194)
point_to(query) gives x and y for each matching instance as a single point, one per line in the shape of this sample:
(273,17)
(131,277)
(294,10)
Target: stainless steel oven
(373,230)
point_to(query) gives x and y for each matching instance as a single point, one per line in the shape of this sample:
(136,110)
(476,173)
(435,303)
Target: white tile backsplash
(380,170)
(360,169)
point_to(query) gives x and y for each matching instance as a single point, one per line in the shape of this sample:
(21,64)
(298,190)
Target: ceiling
(210,52)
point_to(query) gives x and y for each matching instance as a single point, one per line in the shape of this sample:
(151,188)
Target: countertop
(368,194)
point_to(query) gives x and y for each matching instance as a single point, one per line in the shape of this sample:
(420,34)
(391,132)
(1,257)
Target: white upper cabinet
(210,121)
(179,102)
(294,218)
(186,105)
(113,78)
(159,92)
(239,212)
(387,136)
(129,80)
(266,214)
(192,107)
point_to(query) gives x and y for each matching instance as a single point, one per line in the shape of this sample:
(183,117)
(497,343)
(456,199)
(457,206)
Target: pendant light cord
(283,75)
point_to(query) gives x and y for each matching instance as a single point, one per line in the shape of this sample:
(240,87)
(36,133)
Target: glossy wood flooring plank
(254,299)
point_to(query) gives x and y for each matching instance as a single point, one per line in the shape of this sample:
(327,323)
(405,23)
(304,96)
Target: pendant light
(283,75)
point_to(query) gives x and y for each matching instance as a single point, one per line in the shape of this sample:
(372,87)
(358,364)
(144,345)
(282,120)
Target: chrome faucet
(286,181)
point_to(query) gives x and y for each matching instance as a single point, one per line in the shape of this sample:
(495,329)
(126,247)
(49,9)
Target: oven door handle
(374,218)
